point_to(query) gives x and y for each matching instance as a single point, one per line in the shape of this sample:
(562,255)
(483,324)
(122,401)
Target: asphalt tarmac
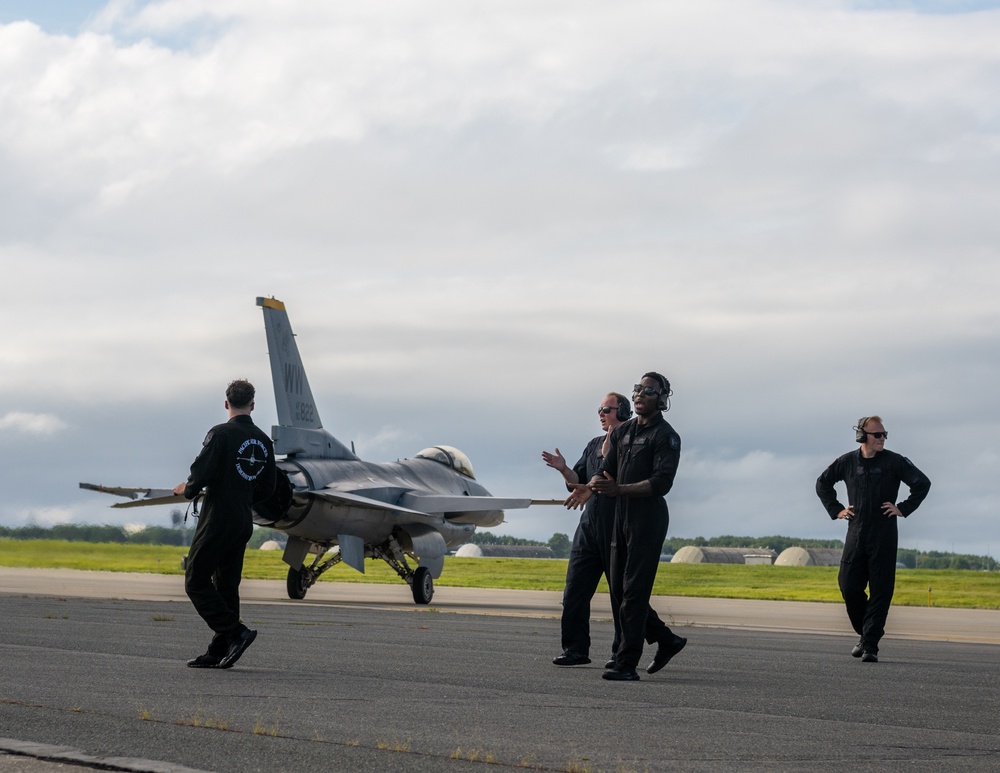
(358,678)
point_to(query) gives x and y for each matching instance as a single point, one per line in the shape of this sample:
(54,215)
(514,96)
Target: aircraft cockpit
(450,456)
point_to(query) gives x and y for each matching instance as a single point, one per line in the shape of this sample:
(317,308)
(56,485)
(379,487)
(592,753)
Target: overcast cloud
(484,216)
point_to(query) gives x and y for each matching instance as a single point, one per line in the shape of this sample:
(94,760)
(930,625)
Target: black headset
(663,403)
(860,429)
(624,412)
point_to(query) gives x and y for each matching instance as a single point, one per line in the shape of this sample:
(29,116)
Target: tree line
(912,559)
(72,532)
(775,543)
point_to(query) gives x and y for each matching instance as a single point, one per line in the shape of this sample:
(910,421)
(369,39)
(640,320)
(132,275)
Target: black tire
(423,585)
(298,583)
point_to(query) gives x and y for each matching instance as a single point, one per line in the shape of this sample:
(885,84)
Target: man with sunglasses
(639,469)
(590,555)
(872,476)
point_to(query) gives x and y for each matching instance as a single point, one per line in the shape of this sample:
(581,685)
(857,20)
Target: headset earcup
(664,402)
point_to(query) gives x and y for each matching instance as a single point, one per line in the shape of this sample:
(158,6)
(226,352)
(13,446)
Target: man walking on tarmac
(639,470)
(235,469)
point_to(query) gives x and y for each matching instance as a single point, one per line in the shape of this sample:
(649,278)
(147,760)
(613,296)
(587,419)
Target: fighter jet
(336,507)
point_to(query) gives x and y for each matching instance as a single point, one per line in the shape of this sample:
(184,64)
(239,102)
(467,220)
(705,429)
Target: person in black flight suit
(235,469)
(590,556)
(639,470)
(872,476)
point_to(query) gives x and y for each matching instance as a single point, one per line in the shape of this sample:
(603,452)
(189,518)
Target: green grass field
(950,588)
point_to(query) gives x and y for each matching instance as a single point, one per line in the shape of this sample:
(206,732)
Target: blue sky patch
(57,17)
(928,6)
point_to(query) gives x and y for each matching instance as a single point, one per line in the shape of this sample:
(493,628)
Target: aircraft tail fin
(292,395)
(300,431)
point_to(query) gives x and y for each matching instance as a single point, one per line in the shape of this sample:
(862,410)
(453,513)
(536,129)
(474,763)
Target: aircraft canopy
(450,456)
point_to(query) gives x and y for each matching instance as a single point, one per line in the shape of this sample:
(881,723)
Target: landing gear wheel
(423,585)
(298,583)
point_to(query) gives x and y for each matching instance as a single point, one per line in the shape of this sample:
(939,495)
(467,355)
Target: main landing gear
(419,580)
(422,585)
(300,580)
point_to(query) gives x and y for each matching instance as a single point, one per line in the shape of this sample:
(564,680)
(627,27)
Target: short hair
(863,421)
(240,393)
(622,399)
(664,384)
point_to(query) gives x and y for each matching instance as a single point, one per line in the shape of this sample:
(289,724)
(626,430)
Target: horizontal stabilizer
(171,499)
(141,497)
(123,491)
(456,503)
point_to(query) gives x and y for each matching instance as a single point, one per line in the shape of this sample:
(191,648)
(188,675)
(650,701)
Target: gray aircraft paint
(337,507)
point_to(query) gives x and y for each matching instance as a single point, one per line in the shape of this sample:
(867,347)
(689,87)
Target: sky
(482,217)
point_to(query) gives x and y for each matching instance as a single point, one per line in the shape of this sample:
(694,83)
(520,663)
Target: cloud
(32,423)
(482,218)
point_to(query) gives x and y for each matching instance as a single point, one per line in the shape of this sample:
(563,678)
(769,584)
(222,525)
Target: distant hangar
(689,554)
(472,550)
(809,557)
(794,556)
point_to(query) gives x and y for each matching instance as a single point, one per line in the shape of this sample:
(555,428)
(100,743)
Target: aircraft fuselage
(299,512)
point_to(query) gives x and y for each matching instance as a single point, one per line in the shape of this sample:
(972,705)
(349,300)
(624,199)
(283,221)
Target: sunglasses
(605,410)
(878,435)
(639,389)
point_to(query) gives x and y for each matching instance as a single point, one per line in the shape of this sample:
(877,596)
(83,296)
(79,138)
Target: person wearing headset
(639,469)
(590,555)
(872,476)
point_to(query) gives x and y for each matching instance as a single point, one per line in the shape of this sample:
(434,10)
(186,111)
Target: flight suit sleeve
(825,490)
(580,468)
(918,483)
(666,458)
(205,468)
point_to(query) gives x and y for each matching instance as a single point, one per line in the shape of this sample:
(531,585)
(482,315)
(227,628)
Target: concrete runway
(358,678)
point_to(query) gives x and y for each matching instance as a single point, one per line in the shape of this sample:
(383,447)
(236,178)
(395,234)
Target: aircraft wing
(456,503)
(141,497)
(356,500)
